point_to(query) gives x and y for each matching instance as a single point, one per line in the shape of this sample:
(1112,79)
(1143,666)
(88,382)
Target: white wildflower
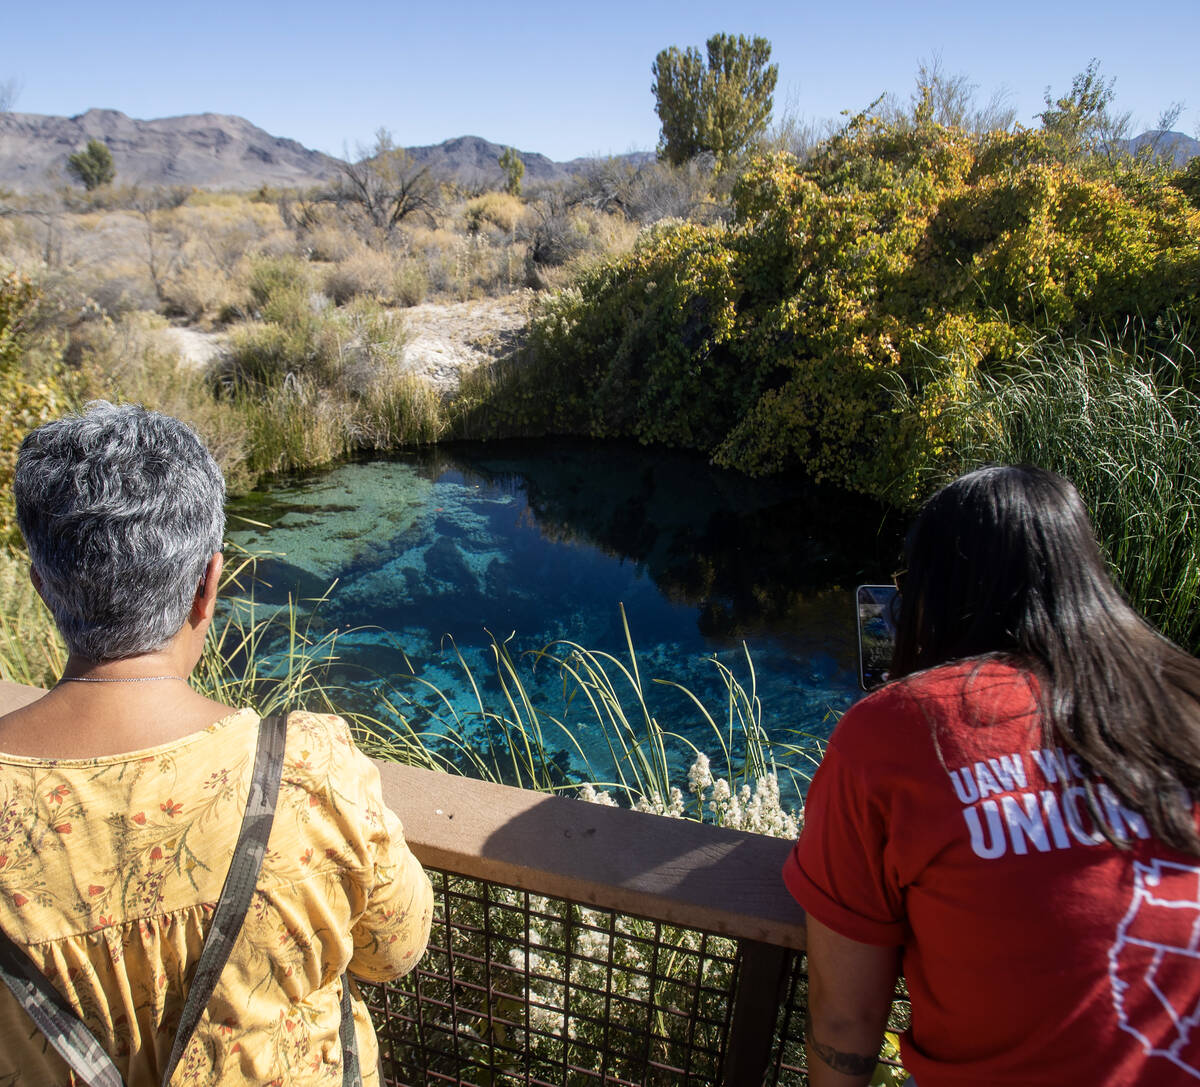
(654,804)
(546,1020)
(589,792)
(699,775)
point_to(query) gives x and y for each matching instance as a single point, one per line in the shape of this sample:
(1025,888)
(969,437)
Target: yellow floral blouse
(109,871)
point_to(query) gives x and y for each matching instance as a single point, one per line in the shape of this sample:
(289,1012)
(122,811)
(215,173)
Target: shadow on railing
(576,944)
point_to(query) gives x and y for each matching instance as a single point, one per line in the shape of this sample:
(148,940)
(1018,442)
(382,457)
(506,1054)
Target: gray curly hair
(121,509)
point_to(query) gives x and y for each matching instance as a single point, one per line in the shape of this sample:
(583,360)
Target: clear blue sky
(565,78)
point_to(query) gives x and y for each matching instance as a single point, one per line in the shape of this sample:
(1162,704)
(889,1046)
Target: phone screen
(878,609)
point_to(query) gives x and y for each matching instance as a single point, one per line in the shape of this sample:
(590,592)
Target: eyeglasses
(898,580)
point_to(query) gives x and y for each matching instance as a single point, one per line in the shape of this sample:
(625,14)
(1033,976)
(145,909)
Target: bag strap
(351,1072)
(240,882)
(68,1034)
(55,1018)
(58,1021)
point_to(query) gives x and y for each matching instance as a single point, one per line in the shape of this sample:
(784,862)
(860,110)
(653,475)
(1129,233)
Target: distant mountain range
(219,151)
(1176,145)
(473,160)
(207,150)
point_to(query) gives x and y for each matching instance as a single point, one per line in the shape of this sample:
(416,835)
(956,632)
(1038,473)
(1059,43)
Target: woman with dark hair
(1012,821)
(122,791)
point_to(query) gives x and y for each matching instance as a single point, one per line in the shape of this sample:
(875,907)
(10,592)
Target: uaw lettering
(1005,814)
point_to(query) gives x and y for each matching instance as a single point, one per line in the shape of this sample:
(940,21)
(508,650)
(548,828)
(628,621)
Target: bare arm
(850,989)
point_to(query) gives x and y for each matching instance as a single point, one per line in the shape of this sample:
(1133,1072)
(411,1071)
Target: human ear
(206,591)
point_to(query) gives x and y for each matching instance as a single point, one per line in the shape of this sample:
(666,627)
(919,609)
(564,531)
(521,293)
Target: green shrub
(93,166)
(773,343)
(278,283)
(292,335)
(31,651)
(34,386)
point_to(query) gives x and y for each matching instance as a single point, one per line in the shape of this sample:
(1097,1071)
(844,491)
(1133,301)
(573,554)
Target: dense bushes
(312,382)
(909,258)
(33,386)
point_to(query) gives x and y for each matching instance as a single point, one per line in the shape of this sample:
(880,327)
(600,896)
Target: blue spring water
(441,554)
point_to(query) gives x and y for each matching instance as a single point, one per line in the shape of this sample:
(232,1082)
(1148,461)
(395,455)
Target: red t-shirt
(1035,952)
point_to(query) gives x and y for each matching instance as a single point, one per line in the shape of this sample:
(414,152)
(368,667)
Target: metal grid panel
(517,989)
(788,1066)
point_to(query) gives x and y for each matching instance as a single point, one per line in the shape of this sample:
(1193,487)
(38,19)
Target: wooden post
(755,1012)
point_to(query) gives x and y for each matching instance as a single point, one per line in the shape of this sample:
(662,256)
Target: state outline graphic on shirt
(1139,961)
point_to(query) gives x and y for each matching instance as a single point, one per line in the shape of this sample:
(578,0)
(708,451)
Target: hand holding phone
(878,608)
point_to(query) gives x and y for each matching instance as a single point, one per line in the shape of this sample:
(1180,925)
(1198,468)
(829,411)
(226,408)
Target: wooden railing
(671,872)
(678,872)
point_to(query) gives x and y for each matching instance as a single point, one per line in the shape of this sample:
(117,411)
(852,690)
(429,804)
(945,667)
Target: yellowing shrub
(898,258)
(500,209)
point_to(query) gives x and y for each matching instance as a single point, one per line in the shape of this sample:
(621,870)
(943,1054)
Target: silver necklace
(117,679)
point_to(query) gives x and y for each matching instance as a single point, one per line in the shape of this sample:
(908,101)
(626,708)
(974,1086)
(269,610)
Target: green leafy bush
(93,166)
(34,388)
(914,254)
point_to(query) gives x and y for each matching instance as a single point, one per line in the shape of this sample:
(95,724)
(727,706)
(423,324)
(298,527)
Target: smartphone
(878,608)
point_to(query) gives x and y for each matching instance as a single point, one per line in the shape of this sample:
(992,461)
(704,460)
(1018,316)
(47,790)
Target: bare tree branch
(10,91)
(385,186)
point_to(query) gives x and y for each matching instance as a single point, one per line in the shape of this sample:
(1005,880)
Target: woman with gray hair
(122,790)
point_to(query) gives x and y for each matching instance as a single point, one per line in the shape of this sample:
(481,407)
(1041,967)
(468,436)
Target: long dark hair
(1004,561)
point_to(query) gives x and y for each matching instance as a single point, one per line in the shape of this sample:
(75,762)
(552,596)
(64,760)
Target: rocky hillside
(217,151)
(1159,143)
(473,161)
(207,150)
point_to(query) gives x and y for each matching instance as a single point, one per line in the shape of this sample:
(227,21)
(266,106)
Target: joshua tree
(514,170)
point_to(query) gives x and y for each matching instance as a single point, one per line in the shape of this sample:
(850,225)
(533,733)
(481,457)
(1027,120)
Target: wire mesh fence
(519,990)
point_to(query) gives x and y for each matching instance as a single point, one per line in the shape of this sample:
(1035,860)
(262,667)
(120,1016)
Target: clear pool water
(441,553)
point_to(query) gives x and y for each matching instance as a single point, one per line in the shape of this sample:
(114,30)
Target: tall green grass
(1121,419)
(516,740)
(31,651)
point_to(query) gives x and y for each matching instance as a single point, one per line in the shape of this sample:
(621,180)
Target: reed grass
(1120,417)
(274,657)
(31,651)
(516,739)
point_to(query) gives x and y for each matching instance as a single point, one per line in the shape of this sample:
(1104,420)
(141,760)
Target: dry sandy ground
(195,348)
(443,339)
(446,339)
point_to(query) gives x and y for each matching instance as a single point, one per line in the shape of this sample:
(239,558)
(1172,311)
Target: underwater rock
(276,582)
(445,562)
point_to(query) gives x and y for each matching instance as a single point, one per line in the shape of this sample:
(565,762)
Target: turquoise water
(437,554)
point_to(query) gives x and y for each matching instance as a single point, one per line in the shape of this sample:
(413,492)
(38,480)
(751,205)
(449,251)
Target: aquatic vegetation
(540,551)
(273,656)
(511,739)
